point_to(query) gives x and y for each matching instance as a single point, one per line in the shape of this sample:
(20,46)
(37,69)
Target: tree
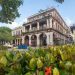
(5,34)
(60,1)
(9,10)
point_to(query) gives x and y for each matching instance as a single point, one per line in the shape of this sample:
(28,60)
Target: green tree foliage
(5,34)
(9,10)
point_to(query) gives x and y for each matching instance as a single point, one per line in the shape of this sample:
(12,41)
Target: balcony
(42,27)
(27,28)
(43,24)
(36,26)
(34,29)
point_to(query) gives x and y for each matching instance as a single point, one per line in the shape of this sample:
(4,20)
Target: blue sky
(29,7)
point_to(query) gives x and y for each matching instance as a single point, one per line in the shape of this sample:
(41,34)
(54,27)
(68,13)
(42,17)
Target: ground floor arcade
(40,39)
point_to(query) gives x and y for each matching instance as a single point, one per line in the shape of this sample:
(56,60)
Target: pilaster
(16,41)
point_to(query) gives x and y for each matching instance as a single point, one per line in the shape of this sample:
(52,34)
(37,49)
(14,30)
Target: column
(30,28)
(51,38)
(23,29)
(29,40)
(16,41)
(47,40)
(50,22)
(64,40)
(23,39)
(47,23)
(37,25)
(38,40)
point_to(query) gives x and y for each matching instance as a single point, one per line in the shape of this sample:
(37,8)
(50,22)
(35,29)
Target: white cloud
(13,25)
(24,20)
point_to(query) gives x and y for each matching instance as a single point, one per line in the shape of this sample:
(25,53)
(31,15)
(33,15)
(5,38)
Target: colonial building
(45,28)
(17,34)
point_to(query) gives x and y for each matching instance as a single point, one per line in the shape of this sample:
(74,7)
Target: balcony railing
(16,34)
(34,29)
(42,27)
(27,30)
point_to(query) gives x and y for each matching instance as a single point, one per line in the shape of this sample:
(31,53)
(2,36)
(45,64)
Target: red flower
(48,71)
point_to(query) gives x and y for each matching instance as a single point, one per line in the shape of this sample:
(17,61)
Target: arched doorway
(27,40)
(43,38)
(55,39)
(33,40)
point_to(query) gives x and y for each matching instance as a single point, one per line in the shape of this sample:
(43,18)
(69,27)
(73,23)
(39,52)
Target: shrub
(56,60)
(3,47)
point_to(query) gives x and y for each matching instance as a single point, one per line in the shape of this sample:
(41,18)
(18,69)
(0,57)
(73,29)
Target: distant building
(43,29)
(73,32)
(17,34)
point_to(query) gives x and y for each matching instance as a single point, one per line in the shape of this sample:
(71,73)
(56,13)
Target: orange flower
(48,71)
